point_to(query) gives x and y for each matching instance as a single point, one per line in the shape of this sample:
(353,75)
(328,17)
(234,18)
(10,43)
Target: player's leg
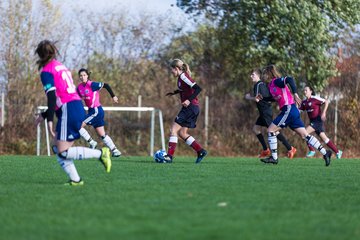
(314,142)
(108,141)
(84,133)
(190,141)
(331,145)
(311,152)
(273,131)
(173,140)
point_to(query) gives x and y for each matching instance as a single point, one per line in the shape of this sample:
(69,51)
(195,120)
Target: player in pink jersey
(312,105)
(289,115)
(186,118)
(63,100)
(89,91)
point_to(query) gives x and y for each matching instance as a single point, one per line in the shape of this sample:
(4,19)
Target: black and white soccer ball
(159,156)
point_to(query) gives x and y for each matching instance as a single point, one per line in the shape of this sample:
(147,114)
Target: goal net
(134,130)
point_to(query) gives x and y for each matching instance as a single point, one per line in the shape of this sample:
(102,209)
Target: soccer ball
(159,156)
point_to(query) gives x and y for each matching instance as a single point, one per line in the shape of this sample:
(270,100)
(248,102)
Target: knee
(63,155)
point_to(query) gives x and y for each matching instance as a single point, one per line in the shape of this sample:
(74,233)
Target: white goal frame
(153,111)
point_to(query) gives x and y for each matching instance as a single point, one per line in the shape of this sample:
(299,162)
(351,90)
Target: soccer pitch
(221,198)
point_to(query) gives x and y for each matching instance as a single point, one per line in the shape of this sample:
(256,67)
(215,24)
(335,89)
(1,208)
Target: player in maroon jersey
(312,105)
(186,118)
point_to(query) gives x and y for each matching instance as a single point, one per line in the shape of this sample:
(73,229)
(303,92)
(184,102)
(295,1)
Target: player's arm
(110,91)
(174,92)
(326,105)
(264,92)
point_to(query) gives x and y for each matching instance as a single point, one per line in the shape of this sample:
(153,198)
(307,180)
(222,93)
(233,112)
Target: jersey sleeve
(96,86)
(48,82)
(263,90)
(319,100)
(186,80)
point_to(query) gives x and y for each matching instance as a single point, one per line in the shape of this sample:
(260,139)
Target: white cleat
(116,153)
(93,144)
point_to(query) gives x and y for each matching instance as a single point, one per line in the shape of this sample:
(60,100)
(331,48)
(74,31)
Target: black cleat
(167,159)
(327,157)
(201,154)
(269,160)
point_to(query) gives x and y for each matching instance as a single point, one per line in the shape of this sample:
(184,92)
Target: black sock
(284,141)
(262,141)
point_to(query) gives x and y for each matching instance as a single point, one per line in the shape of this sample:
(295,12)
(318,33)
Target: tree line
(228,40)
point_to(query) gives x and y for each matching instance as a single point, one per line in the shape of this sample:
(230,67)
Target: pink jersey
(185,84)
(55,76)
(312,106)
(282,95)
(90,93)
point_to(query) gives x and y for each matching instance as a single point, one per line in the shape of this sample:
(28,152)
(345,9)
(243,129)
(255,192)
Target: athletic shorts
(187,116)
(264,120)
(70,118)
(289,117)
(95,117)
(318,125)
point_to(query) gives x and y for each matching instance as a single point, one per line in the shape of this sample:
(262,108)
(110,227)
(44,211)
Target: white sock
(69,167)
(79,153)
(108,142)
(85,134)
(273,145)
(315,143)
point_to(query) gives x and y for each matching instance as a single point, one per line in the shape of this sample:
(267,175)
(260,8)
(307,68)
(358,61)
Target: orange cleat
(265,153)
(291,153)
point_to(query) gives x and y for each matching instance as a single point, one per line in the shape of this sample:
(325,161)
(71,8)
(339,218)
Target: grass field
(221,198)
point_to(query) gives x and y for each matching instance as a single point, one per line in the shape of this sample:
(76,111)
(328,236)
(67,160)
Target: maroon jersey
(185,84)
(312,106)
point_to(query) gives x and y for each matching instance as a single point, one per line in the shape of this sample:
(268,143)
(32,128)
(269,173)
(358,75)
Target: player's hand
(115,99)
(258,97)
(51,129)
(297,100)
(323,117)
(186,103)
(248,96)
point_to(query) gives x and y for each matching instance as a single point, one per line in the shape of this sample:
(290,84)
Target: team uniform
(288,117)
(187,116)
(265,119)
(312,106)
(70,112)
(69,109)
(90,93)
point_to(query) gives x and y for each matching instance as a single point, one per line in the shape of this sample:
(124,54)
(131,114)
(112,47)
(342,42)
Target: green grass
(139,199)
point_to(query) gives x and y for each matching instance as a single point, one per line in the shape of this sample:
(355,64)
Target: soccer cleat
(167,159)
(116,152)
(93,144)
(327,157)
(291,153)
(339,154)
(270,160)
(310,154)
(201,154)
(73,183)
(105,159)
(265,153)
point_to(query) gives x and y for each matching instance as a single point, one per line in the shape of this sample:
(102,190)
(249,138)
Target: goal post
(152,110)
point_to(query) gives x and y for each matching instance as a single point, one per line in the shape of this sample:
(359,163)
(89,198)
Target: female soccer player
(265,115)
(63,99)
(289,115)
(89,91)
(312,105)
(188,90)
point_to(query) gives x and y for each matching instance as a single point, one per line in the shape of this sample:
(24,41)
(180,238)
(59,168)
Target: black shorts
(187,116)
(318,125)
(264,120)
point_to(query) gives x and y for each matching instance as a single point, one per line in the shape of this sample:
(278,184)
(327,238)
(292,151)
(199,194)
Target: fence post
(206,121)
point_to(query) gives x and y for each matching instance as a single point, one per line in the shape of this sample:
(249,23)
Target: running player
(289,115)
(63,100)
(265,115)
(312,105)
(188,90)
(89,91)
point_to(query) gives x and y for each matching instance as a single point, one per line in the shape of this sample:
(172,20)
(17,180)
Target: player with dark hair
(63,100)
(188,90)
(89,92)
(265,115)
(312,105)
(289,115)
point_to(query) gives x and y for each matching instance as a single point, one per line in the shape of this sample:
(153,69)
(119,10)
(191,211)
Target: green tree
(295,35)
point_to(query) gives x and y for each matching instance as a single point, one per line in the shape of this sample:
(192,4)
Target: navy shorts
(95,117)
(289,117)
(318,125)
(70,118)
(187,116)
